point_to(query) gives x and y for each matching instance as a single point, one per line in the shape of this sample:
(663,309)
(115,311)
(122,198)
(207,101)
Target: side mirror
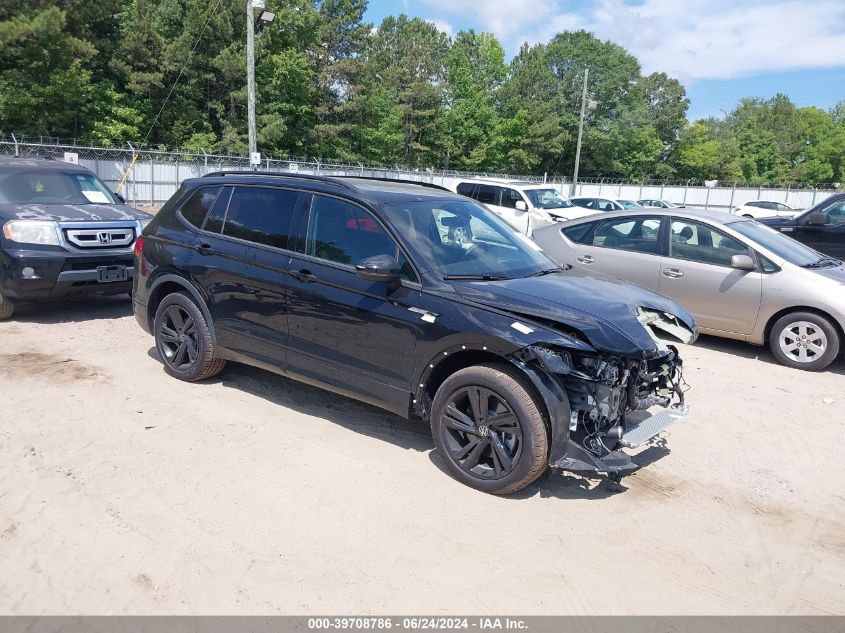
(521,206)
(382,268)
(742,262)
(120,198)
(817,219)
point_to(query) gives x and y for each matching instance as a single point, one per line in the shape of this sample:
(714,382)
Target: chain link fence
(148,177)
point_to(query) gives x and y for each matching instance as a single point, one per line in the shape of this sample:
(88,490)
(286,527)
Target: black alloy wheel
(489,425)
(178,336)
(481,432)
(184,340)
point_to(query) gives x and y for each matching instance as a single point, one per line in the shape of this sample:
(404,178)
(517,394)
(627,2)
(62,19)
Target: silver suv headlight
(32,232)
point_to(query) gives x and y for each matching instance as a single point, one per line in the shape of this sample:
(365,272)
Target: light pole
(584,104)
(266,18)
(250,78)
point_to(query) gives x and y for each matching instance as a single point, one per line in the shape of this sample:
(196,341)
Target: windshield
(781,245)
(465,239)
(42,186)
(547,199)
(629,204)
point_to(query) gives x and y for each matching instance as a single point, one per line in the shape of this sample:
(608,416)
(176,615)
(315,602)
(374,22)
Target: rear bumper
(58,274)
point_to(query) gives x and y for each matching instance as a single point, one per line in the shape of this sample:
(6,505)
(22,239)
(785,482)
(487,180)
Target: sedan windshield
(792,251)
(463,240)
(43,186)
(547,199)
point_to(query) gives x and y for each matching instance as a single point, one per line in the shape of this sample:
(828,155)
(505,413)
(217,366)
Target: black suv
(421,302)
(64,233)
(822,227)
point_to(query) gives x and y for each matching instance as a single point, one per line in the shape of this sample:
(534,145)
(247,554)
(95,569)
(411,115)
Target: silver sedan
(740,279)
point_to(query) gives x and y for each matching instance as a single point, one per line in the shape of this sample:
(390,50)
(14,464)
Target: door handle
(204,249)
(586,259)
(304,275)
(673,273)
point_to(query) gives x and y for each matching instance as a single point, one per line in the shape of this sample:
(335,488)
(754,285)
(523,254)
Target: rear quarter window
(466,189)
(579,233)
(198,205)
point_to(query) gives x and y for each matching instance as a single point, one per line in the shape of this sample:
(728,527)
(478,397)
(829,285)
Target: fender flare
(195,295)
(557,405)
(549,389)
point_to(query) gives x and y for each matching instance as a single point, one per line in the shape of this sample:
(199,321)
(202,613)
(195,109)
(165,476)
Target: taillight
(139,246)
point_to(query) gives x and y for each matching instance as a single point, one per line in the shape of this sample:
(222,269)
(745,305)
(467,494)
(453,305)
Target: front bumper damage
(600,401)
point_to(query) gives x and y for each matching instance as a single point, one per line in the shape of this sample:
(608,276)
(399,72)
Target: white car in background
(525,206)
(765,209)
(656,203)
(604,203)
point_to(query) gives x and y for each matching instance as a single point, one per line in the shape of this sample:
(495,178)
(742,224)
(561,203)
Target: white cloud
(443,26)
(689,39)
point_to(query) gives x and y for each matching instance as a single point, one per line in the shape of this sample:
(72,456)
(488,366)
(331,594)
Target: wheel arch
(551,397)
(767,332)
(169,283)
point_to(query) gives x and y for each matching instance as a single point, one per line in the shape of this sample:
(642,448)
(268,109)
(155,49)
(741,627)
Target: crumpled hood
(72,212)
(604,309)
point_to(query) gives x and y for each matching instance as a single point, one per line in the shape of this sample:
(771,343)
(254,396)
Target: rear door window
(579,234)
(487,194)
(638,234)
(261,215)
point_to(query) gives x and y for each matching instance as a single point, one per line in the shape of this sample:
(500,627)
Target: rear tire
(804,340)
(7,309)
(183,340)
(489,427)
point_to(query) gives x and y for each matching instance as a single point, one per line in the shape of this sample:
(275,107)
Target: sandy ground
(125,491)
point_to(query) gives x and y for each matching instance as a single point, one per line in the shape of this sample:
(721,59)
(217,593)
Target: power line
(179,76)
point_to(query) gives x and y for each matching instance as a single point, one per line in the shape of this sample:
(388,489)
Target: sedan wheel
(805,341)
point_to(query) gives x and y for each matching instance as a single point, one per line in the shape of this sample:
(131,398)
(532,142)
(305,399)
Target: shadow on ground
(408,434)
(75,310)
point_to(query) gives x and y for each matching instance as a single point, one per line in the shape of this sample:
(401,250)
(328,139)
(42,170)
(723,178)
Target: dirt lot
(125,491)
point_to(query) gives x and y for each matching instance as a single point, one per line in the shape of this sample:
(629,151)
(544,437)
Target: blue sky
(721,50)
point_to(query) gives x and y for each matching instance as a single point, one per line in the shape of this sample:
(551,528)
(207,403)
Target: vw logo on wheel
(483,430)
(104,238)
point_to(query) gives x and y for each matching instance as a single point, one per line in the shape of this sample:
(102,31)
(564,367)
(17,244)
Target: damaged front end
(608,396)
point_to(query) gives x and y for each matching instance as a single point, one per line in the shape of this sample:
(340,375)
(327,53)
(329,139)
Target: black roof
(382,190)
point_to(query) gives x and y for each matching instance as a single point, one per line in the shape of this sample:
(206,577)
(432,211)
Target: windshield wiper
(473,278)
(824,262)
(548,271)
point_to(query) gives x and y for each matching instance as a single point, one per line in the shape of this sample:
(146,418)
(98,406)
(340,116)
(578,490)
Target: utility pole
(580,133)
(250,75)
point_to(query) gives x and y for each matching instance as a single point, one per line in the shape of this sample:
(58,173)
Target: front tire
(7,309)
(183,340)
(804,340)
(489,427)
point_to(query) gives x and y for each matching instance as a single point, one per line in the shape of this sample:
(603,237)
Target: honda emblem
(104,238)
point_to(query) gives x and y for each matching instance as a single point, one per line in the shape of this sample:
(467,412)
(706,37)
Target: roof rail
(276,174)
(430,185)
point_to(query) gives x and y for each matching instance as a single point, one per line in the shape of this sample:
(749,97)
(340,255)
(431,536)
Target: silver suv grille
(110,237)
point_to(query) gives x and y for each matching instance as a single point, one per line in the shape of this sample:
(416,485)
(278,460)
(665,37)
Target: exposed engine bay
(605,392)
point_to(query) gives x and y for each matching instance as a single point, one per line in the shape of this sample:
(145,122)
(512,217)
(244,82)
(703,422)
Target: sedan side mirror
(382,268)
(521,206)
(817,219)
(742,262)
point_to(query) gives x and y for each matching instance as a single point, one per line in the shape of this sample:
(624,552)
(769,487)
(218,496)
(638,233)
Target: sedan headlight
(32,232)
